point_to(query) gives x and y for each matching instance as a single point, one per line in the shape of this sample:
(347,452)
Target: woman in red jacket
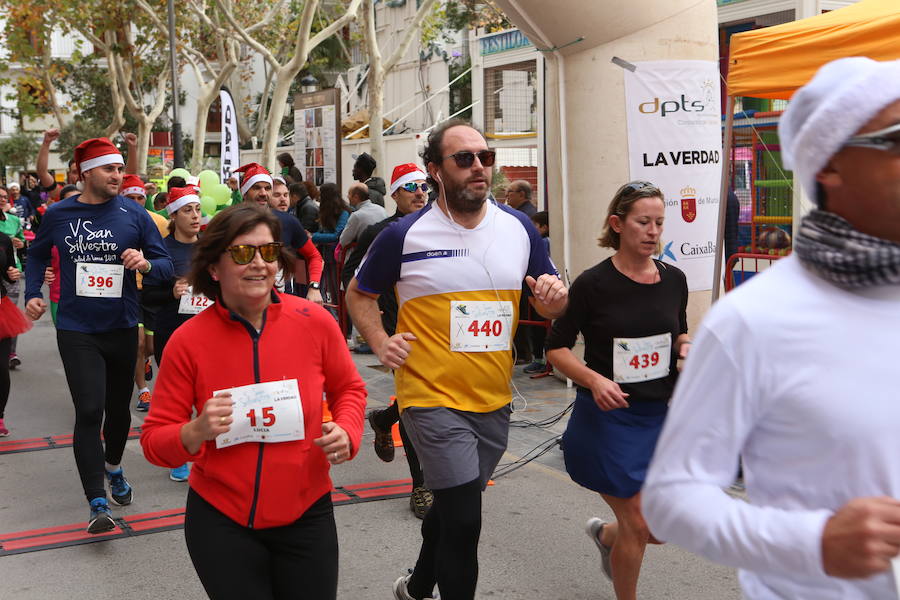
(253,368)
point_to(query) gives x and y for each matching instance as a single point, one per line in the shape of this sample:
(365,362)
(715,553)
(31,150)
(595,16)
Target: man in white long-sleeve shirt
(796,372)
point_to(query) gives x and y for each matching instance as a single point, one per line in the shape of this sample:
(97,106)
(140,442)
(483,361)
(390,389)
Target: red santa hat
(252,173)
(178,197)
(96,153)
(132,184)
(405,174)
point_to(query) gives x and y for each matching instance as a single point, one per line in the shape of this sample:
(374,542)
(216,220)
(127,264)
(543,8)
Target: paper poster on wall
(316,139)
(675,142)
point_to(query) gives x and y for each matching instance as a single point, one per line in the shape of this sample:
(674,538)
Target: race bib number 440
(264,412)
(96,280)
(480,326)
(641,359)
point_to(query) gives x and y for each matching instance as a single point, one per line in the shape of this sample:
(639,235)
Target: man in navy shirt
(103,239)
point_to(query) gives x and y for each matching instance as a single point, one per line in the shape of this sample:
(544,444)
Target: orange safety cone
(326,414)
(395,430)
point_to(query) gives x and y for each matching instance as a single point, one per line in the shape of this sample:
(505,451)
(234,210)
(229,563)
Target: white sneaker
(594,529)
(401,593)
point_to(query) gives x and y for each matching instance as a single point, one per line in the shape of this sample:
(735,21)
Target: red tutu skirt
(13,321)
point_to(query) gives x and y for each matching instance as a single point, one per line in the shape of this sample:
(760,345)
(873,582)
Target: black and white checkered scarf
(844,256)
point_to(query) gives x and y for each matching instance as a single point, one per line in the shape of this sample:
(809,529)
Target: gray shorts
(456,446)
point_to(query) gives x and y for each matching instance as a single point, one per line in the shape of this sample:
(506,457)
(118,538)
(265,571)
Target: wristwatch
(314,285)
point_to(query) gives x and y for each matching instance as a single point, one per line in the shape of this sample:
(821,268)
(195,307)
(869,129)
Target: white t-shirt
(799,379)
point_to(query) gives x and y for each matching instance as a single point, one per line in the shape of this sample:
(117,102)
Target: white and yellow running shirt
(458,292)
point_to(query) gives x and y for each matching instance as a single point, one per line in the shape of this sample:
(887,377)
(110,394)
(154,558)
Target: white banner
(231,154)
(675,142)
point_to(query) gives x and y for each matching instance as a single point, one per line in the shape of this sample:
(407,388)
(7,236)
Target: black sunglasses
(244,254)
(638,186)
(466,159)
(412,186)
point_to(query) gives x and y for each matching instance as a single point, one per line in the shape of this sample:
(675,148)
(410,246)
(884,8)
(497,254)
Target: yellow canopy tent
(774,61)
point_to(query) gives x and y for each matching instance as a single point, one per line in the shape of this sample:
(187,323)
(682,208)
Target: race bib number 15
(96,280)
(264,412)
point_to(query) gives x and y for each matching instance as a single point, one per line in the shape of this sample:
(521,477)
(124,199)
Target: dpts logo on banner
(675,141)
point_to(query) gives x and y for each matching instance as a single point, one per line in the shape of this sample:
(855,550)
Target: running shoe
(420,501)
(101,518)
(537,366)
(148,370)
(121,492)
(180,473)
(594,530)
(384,441)
(363,348)
(14,361)
(3,430)
(143,404)
(401,593)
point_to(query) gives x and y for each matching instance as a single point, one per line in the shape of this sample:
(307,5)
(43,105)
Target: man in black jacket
(410,192)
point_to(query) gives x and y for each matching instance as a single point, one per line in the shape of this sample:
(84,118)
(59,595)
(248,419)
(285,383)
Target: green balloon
(180,173)
(219,191)
(208,179)
(208,205)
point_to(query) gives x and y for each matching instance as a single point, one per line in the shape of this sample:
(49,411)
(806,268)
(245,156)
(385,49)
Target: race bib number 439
(96,280)
(480,326)
(641,359)
(264,412)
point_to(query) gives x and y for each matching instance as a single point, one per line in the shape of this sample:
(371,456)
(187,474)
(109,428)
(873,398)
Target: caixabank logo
(683,104)
(673,249)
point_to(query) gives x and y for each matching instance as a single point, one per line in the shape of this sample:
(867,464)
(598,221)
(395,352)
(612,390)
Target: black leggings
(297,561)
(386,419)
(5,345)
(449,554)
(100,372)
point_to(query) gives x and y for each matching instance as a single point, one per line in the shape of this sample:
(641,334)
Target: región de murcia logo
(688,204)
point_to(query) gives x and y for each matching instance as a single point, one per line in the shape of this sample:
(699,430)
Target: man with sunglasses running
(457,266)
(795,372)
(103,238)
(256,186)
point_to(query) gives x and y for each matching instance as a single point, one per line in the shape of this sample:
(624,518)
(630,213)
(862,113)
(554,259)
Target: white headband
(173,206)
(99,161)
(246,185)
(135,190)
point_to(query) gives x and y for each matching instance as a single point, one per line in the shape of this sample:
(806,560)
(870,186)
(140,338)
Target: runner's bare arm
(391,350)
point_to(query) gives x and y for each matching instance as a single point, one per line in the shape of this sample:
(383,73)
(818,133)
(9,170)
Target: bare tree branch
(408,34)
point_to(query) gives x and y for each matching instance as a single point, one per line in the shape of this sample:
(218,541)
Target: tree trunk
(117,121)
(203,104)
(145,124)
(276,114)
(376,119)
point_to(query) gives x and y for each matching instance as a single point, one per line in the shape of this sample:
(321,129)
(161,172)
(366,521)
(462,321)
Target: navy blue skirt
(609,451)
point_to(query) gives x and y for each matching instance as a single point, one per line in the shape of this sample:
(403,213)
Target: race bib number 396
(641,359)
(480,326)
(96,280)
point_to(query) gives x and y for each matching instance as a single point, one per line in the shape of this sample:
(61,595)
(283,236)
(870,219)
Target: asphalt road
(533,544)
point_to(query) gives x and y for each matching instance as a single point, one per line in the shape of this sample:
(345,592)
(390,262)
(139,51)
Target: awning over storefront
(774,61)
